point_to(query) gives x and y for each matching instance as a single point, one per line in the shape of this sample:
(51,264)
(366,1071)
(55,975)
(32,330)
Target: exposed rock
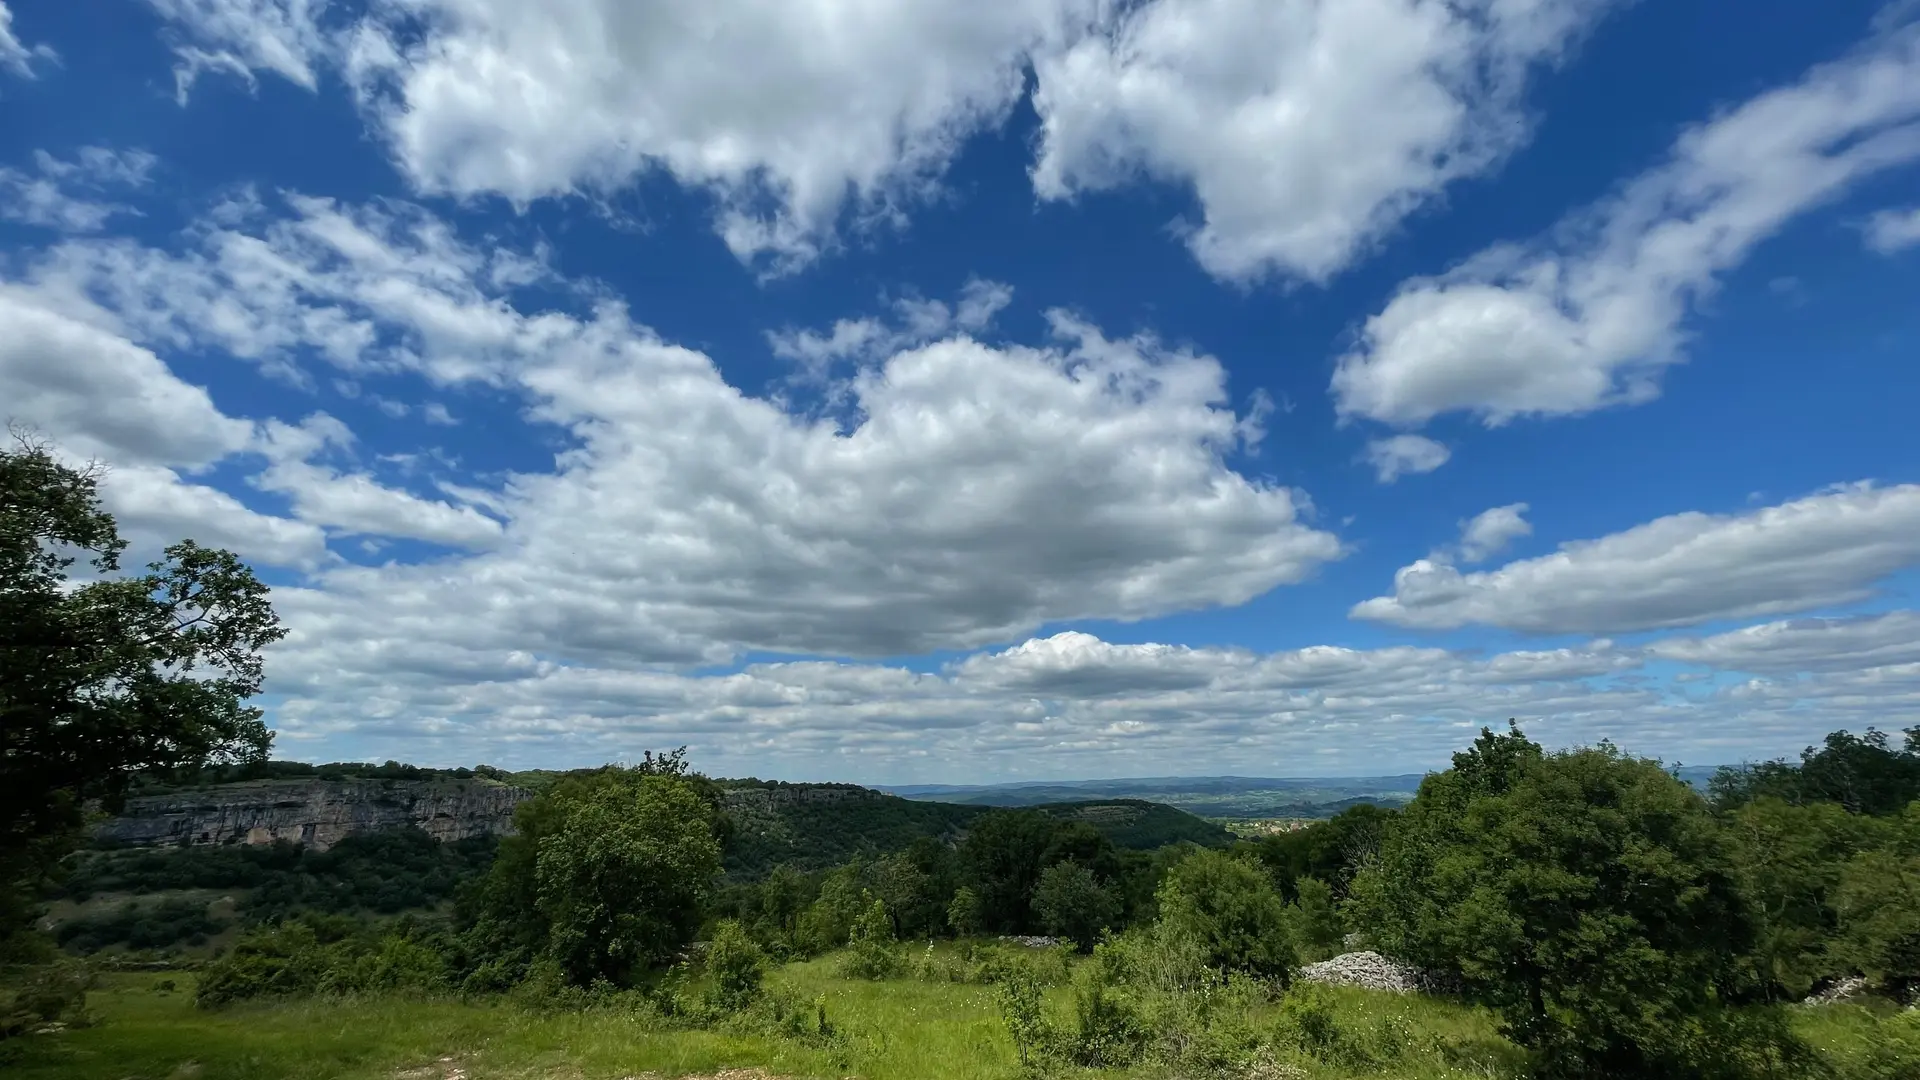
(1032,941)
(317,813)
(1372,971)
(1847,989)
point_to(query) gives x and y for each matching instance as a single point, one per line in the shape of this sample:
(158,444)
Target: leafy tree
(1864,774)
(1082,843)
(1073,904)
(964,913)
(1002,854)
(1583,895)
(1331,851)
(829,920)
(908,892)
(1788,860)
(1877,908)
(621,877)
(1230,911)
(1316,920)
(105,677)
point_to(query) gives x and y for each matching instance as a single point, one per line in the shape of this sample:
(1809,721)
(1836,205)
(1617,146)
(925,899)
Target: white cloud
(1801,645)
(1491,531)
(1405,455)
(1590,316)
(1825,549)
(977,491)
(917,320)
(789,112)
(1308,129)
(240,37)
(98,395)
(45,196)
(354,503)
(16,57)
(155,506)
(1893,230)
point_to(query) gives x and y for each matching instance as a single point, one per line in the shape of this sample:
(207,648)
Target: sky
(898,391)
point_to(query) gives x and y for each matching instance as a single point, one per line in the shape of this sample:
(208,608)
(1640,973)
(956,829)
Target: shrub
(1228,911)
(737,965)
(1108,1030)
(48,994)
(870,951)
(965,914)
(1023,1009)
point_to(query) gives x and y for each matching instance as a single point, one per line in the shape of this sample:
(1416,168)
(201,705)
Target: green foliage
(1108,1030)
(1071,903)
(817,826)
(1877,902)
(1331,851)
(1228,912)
(53,993)
(737,965)
(1585,896)
(321,955)
(870,945)
(1002,854)
(1863,774)
(965,914)
(620,877)
(120,674)
(1022,1004)
(1315,920)
(139,925)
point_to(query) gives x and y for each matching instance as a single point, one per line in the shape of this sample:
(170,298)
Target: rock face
(1369,970)
(317,813)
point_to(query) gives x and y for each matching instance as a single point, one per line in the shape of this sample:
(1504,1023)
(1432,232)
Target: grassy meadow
(147,1028)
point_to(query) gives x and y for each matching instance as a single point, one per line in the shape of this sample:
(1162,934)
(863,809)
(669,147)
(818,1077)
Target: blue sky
(1050,388)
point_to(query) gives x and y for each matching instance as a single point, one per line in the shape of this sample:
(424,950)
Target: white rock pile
(1846,989)
(1369,970)
(1033,942)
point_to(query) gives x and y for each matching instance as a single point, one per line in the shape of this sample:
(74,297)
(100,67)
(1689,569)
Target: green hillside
(816,826)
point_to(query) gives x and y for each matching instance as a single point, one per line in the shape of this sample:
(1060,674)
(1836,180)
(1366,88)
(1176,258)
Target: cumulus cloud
(1489,532)
(916,320)
(16,57)
(979,492)
(1893,230)
(1405,455)
(1825,549)
(1299,162)
(50,196)
(803,118)
(1589,316)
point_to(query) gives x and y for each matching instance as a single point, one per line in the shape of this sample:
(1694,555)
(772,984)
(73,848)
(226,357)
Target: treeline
(156,783)
(1615,920)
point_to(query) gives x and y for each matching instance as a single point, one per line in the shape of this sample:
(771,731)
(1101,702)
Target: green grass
(895,1030)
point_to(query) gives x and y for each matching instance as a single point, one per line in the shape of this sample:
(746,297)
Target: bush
(47,995)
(737,965)
(1316,921)
(870,951)
(1108,1030)
(140,926)
(316,956)
(1023,1009)
(964,913)
(1228,912)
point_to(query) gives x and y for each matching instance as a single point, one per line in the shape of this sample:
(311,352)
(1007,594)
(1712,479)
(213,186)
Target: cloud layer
(1826,549)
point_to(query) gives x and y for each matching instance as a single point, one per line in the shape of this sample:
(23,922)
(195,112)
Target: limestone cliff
(317,813)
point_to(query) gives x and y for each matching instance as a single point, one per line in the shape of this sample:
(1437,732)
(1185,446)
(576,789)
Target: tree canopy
(105,675)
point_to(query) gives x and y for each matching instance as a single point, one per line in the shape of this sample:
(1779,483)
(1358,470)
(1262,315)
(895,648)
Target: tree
(1862,773)
(1072,904)
(115,675)
(1002,853)
(1316,921)
(963,912)
(1584,895)
(1230,911)
(1789,860)
(908,892)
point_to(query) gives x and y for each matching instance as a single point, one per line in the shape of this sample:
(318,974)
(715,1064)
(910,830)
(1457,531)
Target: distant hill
(1207,796)
(815,826)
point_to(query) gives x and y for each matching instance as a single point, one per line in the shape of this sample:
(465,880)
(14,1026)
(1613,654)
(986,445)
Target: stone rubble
(1846,989)
(1032,942)
(1371,971)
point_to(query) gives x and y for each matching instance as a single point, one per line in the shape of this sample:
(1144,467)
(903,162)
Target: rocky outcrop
(317,813)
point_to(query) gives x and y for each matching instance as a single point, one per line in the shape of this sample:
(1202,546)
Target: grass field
(895,1030)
